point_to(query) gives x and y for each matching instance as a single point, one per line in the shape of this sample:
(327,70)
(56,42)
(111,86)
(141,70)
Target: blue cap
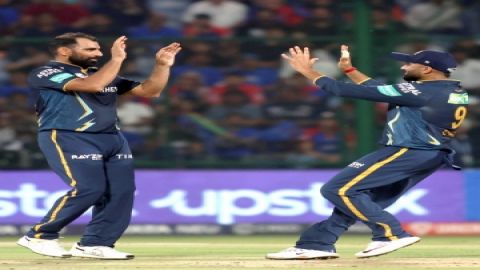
(442,61)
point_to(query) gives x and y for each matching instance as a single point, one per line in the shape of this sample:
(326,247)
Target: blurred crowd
(231,98)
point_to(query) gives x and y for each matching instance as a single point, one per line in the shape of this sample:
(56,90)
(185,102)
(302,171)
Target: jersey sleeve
(400,94)
(124,85)
(50,78)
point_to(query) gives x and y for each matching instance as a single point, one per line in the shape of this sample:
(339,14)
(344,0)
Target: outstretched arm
(345,64)
(401,94)
(156,82)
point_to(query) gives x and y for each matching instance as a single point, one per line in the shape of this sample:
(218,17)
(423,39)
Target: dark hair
(67,40)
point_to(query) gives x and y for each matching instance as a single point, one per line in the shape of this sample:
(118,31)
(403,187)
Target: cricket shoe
(44,247)
(293,253)
(377,248)
(99,252)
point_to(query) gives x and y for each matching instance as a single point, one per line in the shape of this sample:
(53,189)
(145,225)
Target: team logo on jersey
(388,90)
(59,78)
(408,88)
(454,98)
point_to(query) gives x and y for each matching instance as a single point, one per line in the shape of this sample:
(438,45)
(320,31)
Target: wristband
(350,69)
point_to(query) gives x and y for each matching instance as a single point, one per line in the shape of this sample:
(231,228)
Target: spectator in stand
(235,102)
(66,14)
(200,63)
(201,27)
(228,53)
(261,20)
(136,119)
(225,14)
(467,71)
(173,9)
(9,17)
(17,83)
(100,24)
(269,47)
(125,13)
(436,16)
(285,13)
(235,79)
(154,27)
(327,140)
(239,141)
(26,57)
(254,72)
(189,87)
(320,22)
(44,25)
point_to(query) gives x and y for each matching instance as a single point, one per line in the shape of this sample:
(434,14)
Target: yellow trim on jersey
(64,88)
(73,183)
(360,177)
(315,79)
(86,108)
(388,231)
(362,81)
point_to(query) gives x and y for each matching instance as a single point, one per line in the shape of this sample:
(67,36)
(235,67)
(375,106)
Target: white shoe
(377,248)
(294,253)
(99,252)
(44,247)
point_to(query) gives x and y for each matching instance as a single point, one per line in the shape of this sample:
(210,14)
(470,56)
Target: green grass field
(247,252)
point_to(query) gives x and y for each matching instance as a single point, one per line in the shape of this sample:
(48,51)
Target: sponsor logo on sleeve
(59,78)
(458,98)
(47,72)
(388,90)
(408,88)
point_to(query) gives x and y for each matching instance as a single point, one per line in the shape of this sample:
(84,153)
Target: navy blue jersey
(421,115)
(71,110)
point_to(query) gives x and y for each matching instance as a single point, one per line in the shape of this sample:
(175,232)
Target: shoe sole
(414,240)
(62,257)
(129,257)
(303,258)
(299,257)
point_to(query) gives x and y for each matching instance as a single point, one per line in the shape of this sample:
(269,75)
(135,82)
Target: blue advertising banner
(230,197)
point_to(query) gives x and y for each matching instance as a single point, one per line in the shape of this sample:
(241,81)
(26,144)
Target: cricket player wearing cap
(423,115)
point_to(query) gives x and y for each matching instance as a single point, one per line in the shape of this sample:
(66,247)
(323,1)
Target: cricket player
(423,115)
(80,138)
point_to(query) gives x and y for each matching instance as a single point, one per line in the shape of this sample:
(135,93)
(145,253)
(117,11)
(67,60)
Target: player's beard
(411,77)
(82,61)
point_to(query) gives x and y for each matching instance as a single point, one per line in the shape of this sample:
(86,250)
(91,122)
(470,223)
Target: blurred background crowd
(232,102)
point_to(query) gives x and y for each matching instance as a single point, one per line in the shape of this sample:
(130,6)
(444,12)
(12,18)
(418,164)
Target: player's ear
(64,51)
(427,69)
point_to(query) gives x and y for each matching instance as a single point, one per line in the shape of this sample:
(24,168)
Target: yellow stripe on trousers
(73,183)
(360,177)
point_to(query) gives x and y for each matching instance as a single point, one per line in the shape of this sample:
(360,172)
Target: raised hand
(345,61)
(118,48)
(166,55)
(300,59)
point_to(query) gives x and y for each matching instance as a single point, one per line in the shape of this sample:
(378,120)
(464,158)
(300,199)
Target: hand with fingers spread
(118,48)
(301,61)
(166,55)
(345,62)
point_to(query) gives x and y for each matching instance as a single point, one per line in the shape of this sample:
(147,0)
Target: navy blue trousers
(363,189)
(99,169)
